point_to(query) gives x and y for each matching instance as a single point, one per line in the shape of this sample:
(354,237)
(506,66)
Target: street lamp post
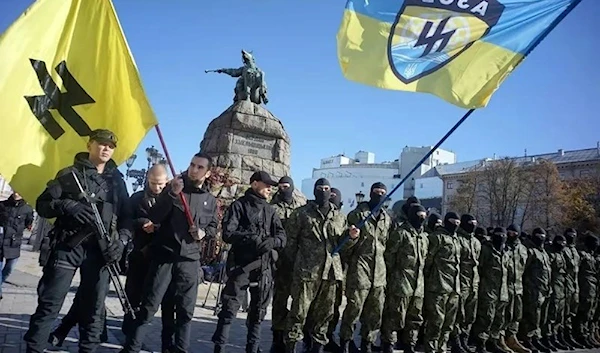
(153,156)
(360,197)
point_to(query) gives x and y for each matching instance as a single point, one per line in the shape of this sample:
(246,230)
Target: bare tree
(547,196)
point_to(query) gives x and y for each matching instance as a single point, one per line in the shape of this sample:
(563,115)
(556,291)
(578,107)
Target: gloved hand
(113,251)
(81,212)
(265,246)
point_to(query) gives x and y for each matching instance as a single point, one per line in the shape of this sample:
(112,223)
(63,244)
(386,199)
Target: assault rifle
(104,238)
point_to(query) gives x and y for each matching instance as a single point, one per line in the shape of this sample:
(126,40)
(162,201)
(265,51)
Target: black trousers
(72,318)
(183,276)
(137,274)
(53,288)
(232,296)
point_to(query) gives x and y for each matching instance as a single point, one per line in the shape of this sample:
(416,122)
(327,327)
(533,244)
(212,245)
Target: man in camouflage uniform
(482,235)
(284,204)
(442,284)
(366,276)
(588,286)
(572,260)
(433,221)
(469,283)
(405,259)
(493,287)
(401,218)
(552,330)
(316,229)
(536,292)
(514,309)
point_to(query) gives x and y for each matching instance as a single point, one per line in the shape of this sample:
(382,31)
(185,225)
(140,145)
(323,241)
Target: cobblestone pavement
(20,301)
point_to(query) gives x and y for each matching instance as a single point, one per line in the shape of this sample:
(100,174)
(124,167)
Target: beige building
(570,164)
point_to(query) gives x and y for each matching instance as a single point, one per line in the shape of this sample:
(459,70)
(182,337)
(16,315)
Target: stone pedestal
(244,139)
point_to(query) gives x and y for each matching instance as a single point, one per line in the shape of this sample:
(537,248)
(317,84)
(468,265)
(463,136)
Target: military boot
(58,336)
(332,345)
(277,346)
(546,342)
(480,346)
(316,347)
(556,343)
(219,348)
(513,343)
(464,342)
(387,347)
(592,341)
(492,346)
(528,344)
(365,347)
(503,345)
(560,339)
(539,345)
(345,346)
(571,340)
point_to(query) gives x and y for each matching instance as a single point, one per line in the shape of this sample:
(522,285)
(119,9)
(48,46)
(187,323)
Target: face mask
(570,238)
(559,246)
(322,197)
(287,194)
(375,200)
(538,240)
(468,227)
(450,227)
(498,241)
(415,221)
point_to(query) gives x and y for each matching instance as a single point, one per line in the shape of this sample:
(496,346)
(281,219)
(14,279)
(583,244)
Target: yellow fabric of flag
(65,70)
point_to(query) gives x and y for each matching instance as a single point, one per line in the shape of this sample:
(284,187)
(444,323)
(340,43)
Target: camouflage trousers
(320,295)
(535,313)
(585,315)
(467,311)
(281,294)
(339,290)
(440,315)
(490,318)
(571,308)
(513,314)
(366,304)
(401,313)
(556,316)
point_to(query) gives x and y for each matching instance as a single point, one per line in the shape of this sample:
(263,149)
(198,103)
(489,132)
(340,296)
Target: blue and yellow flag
(65,70)
(458,50)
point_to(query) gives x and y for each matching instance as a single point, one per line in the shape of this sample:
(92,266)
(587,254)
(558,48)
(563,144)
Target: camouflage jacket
(469,260)
(284,210)
(366,266)
(516,266)
(493,266)
(405,259)
(572,260)
(558,280)
(536,277)
(442,266)
(588,275)
(311,240)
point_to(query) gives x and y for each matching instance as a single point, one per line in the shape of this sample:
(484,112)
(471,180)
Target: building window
(421,185)
(449,185)
(362,184)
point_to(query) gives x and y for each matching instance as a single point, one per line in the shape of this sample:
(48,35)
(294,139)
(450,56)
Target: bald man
(139,259)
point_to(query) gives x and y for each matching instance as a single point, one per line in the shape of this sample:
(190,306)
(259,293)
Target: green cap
(103,136)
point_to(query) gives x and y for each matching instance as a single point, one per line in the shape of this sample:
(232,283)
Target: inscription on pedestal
(252,145)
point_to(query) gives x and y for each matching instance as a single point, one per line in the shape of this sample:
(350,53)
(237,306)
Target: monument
(246,137)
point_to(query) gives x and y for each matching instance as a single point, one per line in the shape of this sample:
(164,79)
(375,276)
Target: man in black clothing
(76,241)
(176,252)
(139,259)
(254,230)
(15,216)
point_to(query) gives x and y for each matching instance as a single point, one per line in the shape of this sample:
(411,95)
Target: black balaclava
(498,238)
(514,228)
(410,201)
(591,243)
(322,196)
(538,237)
(287,195)
(490,231)
(465,225)
(559,242)
(336,198)
(375,199)
(481,234)
(450,227)
(415,220)
(432,220)
(570,235)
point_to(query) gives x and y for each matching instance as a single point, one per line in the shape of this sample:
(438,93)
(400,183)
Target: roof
(558,158)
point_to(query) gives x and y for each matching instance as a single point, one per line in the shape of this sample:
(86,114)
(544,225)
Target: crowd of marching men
(412,279)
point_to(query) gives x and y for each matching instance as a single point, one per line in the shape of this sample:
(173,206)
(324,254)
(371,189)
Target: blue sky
(551,101)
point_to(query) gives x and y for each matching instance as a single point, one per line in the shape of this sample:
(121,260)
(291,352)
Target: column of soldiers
(414,279)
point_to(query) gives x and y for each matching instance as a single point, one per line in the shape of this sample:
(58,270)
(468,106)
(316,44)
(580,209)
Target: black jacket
(15,216)
(107,188)
(248,221)
(141,202)
(173,236)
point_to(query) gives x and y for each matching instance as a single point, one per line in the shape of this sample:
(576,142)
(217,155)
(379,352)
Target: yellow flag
(65,70)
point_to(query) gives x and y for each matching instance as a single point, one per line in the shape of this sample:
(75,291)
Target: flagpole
(389,195)
(543,36)
(186,206)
